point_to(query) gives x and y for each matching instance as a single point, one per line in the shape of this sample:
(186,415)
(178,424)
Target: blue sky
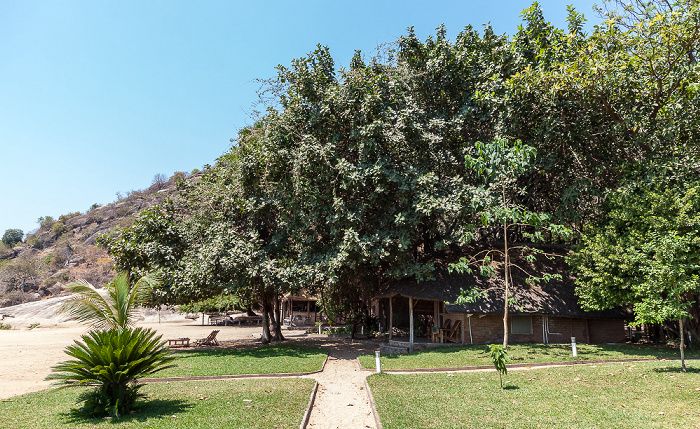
(97,97)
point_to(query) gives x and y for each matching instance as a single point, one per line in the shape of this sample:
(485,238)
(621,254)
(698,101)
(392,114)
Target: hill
(64,250)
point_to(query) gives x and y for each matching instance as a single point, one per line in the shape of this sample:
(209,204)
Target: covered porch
(300,310)
(413,321)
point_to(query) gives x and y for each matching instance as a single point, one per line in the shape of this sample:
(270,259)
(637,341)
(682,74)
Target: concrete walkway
(342,401)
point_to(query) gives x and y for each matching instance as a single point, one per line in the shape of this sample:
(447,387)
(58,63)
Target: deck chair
(209,341)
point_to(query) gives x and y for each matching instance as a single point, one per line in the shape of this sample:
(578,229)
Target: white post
(410,315)
(573,346)
(378,362)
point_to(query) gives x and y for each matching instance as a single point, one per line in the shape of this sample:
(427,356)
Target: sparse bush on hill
(45,222)
(178,175)
(64,218)
(58,228)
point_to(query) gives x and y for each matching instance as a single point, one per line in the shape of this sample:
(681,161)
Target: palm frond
(116,310)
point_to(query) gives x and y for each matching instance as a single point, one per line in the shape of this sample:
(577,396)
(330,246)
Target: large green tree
(644,250)
(12,237)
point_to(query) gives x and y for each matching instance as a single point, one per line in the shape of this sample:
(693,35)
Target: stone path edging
(307,414)
(373,405)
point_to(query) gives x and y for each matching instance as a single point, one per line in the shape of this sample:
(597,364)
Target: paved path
(342,401)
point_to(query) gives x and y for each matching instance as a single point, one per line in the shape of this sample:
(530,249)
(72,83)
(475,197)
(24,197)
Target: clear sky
(97,97)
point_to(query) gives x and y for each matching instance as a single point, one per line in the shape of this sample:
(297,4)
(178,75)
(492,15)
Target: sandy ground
(27,355)
(341,401)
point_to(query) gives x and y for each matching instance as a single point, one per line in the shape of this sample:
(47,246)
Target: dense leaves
(356,176)
(645,251)
(112,359)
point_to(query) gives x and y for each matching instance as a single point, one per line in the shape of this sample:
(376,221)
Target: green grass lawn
(269,359)
(613,395)
(259,403)
(471,355)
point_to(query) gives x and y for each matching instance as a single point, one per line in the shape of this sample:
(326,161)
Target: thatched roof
(555,297)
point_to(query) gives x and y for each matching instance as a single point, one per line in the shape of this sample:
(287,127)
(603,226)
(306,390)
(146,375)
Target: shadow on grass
(511,387)
(677,369)
(144,410)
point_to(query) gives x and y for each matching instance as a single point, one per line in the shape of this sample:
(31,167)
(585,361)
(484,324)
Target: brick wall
(489,329)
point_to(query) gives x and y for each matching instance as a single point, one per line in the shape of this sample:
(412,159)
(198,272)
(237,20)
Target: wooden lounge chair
(209,341)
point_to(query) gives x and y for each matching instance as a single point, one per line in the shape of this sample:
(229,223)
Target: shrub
(12,237)
(178,175)
(499,357)
(58,228)
(45,222)
(113,359)
(66,217)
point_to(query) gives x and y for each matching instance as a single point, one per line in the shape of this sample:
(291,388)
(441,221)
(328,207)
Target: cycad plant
(112,360)
(114,354)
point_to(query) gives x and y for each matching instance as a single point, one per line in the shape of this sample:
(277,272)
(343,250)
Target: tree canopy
(354,176)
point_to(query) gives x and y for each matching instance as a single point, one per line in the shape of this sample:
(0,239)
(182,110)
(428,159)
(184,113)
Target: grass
(613,395)
(472,355)
(259,403)
(269,359)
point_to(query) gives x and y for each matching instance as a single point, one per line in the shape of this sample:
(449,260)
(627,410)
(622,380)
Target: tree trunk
(278,320)
(506,268)
(266,336)
(680,323)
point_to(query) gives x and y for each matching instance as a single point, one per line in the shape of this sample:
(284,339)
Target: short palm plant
(115,310)
(114,354)
(112,360)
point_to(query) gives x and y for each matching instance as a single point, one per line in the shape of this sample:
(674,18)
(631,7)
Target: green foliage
(499,357)
(357,176)
(12,237)
(58,228)
(115,310)
(5,326)
(498,166)
(66,217)
(45,222)
(112,359)
(645,249)
(216,303)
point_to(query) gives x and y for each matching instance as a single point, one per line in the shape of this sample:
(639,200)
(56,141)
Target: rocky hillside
(64,250)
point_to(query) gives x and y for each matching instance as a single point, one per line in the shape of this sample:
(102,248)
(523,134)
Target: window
(521,325)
